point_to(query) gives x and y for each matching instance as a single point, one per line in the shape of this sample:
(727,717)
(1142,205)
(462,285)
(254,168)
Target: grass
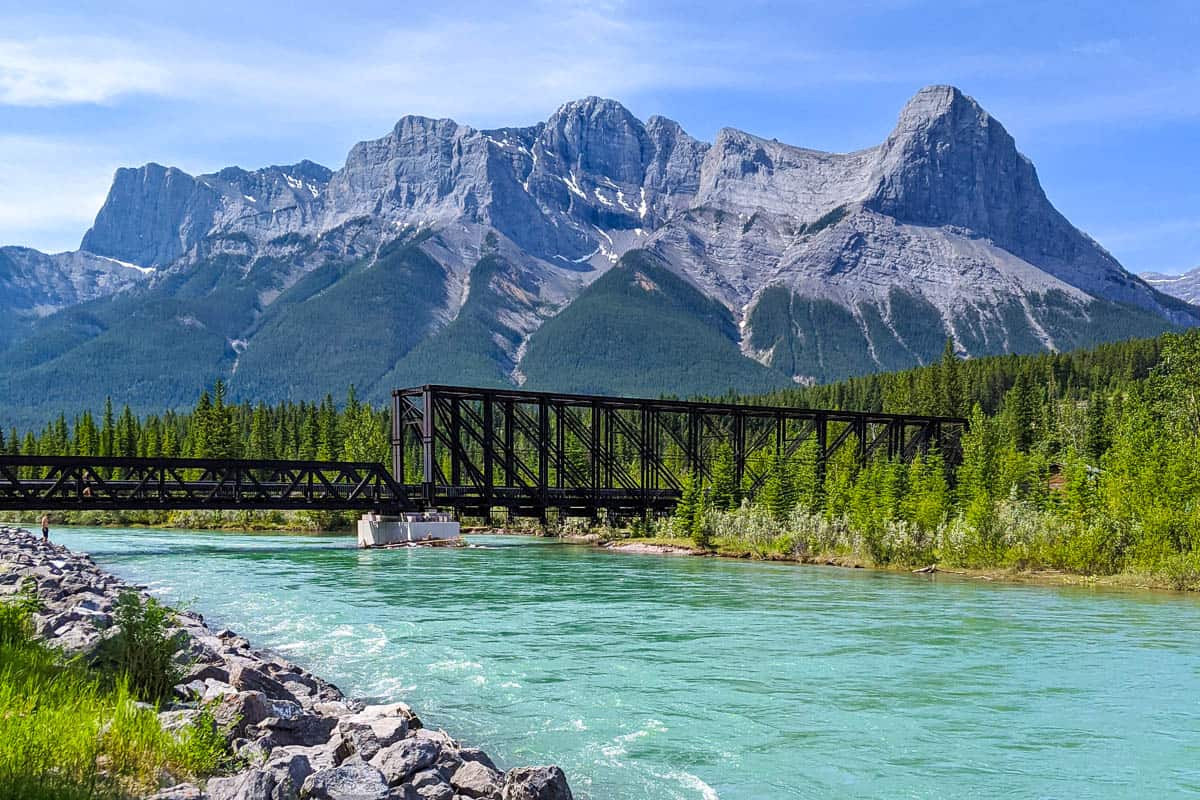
(69,731)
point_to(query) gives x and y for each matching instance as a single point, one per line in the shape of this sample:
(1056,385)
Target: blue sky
(1103,96)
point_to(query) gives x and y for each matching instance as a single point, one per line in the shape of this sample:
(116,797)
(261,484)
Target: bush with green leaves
(144,651)
(16,613)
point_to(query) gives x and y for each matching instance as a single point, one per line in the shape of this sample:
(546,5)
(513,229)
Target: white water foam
(689,781)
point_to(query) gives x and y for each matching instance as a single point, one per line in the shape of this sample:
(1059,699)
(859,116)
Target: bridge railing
(84,482)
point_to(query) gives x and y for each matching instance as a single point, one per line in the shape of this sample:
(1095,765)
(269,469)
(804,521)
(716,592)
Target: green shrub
(1181,571)
(143,652)
(202,748)
(16,614)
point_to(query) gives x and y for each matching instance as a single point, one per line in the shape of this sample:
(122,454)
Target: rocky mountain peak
(948,162)
(598,136)
(152,215)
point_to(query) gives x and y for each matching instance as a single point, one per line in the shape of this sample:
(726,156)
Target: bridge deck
(55,483)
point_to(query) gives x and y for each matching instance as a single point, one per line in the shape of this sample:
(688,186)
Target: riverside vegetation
(74,729)
(1083,462)
(105,693)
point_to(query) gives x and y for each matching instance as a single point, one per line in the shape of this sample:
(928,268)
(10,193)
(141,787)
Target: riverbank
(289,733)
(679,546)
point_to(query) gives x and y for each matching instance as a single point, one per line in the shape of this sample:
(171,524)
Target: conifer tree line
(216,428)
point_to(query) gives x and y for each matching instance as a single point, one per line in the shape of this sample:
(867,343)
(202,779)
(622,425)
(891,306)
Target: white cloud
(50,190)
(480,65)
(72,70)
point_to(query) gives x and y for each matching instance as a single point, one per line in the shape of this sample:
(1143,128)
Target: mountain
(1186,286)
(34,285)
(590,251)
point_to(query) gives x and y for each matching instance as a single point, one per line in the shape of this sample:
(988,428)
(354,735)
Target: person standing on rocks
(45,527)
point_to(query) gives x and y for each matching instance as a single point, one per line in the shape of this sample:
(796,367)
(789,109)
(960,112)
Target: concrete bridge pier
(430,527)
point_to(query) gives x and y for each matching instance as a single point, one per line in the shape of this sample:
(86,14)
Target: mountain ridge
(828,264)
(1185,286)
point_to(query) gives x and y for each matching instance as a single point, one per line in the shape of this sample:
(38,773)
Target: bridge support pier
(376,530)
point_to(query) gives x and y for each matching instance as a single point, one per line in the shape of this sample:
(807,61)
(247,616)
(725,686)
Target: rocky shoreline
(297,735)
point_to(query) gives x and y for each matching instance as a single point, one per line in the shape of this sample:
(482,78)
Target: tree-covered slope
(642,330)
(473,348)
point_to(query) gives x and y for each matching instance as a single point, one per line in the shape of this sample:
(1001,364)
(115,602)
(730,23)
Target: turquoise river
(656,677)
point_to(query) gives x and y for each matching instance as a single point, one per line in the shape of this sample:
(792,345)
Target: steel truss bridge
(476,450)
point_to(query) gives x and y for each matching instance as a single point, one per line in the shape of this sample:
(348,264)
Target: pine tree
(126,440)
(953,403)
(726,494)
(328,446)
(689,500)
(1021,410)
(1097,428)
(778,492)
(108,432)
(222,436)
(199,430)
(804,475)
(261,445)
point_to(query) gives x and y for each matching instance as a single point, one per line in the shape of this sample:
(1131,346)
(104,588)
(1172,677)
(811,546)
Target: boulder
(475,754)
(354,781)
(252,785)
(400,761)
(535,783)
(183,791)
(289,770)
(190,690)
(215,690)
(430,785)
(474,779)
(239,712)
(319,757)
(202,672)
(177,720)
(249,679)
(448,762)
(367,735)
(306,730)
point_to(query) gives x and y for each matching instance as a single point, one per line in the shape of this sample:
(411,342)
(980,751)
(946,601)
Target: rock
(81,640)
(177,720)
(535,783)
(319,756)
(475,754)
(253,752)
(252,785)
(203,672)
(289,770)
(430,785)
(183,791)
(239,712)
(367,735)
(303,729)
(248,678)
(356,781)
(439,737)
(448,762)
(403,759)
(476,780)
(190,691)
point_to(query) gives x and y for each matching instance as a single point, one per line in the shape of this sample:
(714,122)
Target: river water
(657,677)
